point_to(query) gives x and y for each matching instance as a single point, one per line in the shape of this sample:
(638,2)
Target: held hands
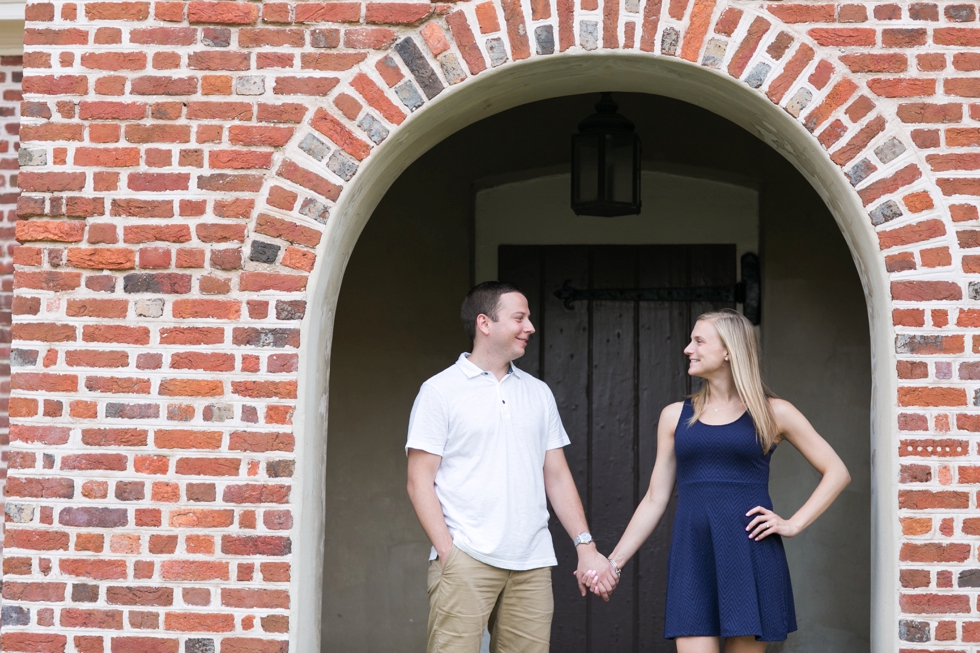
(767,523)
(595,573)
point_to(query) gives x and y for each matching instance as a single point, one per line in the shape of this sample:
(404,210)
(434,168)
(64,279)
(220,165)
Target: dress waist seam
(719,482)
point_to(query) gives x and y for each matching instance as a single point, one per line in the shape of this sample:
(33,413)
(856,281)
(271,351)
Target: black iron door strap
(746,292)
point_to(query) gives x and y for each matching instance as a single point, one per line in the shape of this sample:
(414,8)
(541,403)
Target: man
(484,451)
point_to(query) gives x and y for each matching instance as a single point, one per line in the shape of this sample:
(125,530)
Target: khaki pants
(465,596)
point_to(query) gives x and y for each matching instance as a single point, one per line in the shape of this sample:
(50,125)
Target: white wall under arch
(682,207)
(559,75)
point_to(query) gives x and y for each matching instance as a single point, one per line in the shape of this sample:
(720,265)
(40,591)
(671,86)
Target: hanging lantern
(606,164)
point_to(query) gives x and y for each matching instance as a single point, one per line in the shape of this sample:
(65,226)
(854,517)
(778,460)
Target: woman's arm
(796,429)
(654,502)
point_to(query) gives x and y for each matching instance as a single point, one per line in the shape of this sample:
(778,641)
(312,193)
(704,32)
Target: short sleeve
(428,426)
(557,437)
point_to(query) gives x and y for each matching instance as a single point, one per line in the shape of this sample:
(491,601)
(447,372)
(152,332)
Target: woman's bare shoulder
(782,408)
(672,412)
(788,417)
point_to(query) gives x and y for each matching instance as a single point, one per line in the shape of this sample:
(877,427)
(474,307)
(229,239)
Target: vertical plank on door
(565,358)
(662,369)
(521,265)
(613,436)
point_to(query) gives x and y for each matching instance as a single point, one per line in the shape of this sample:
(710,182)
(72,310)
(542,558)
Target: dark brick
(93,517)
(263,252)
(23,357)
(255,337)
(166,282)
(968,578)
(280,468)
(325,38)
(885,212)
(861,171)
(130,490)
(84,593)
(906,343)
(290,310)
(913,631)
(961,13)
(416,62)
(14,615)
(544,37)
(35,110)
(216,37)
(199,645)
(132,411)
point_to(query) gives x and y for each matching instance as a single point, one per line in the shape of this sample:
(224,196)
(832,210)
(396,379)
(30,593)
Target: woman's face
(705,353)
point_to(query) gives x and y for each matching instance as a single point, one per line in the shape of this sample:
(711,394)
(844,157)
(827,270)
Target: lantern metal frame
(604,126)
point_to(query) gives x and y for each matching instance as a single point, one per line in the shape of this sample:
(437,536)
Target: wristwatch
(585,537)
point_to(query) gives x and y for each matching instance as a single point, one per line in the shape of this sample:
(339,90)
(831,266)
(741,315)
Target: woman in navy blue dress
(727,575)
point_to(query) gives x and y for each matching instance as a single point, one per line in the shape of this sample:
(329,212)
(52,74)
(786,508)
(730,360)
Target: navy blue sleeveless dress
(719,582)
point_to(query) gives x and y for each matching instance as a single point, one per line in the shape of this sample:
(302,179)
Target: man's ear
(483,324)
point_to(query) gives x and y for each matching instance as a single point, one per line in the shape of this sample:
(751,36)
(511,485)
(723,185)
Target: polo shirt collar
(472,371)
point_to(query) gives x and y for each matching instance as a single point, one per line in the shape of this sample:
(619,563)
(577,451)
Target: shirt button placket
(503,401)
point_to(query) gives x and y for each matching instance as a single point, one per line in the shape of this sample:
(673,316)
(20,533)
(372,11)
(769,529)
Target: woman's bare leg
(746,644)
(697,644)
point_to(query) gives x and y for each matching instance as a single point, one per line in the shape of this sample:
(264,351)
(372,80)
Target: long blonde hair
(738,337)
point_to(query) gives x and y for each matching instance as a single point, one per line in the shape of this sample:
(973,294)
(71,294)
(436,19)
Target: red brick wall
(10,81)
(186,156)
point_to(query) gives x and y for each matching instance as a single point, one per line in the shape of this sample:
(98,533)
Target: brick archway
(224,269)
(594,74)
(904,224)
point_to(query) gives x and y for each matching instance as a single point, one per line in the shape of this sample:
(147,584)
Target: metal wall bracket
(747,292)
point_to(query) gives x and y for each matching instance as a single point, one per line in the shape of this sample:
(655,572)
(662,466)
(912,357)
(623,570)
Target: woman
(727,572)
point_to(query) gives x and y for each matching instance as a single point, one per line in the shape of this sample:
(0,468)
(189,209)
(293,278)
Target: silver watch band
(584,537)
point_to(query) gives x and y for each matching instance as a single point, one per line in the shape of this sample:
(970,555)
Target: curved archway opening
(519,85)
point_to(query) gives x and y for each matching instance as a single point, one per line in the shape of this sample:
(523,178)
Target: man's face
(510,333)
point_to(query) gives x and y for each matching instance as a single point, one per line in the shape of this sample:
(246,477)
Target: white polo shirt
(492,436)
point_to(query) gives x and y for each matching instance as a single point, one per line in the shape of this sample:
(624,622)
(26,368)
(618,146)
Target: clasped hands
(595,573)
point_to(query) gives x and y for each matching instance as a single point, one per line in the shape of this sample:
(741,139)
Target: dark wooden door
(613,366)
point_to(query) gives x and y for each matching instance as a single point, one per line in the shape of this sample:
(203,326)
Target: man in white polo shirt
(484,456)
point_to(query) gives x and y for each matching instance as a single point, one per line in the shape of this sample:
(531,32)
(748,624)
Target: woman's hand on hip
(767,523)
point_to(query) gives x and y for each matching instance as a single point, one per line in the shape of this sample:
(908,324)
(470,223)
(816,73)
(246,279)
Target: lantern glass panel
(619,167)
(587,159)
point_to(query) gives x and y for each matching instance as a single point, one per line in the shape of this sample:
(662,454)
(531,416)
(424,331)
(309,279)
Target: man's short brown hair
(483,299)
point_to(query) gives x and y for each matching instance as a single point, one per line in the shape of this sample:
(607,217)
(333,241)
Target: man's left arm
(564,498)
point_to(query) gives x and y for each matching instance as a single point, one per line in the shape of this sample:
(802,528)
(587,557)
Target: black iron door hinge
(747,292)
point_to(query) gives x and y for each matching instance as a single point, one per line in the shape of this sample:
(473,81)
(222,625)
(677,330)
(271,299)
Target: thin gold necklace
(718,410)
